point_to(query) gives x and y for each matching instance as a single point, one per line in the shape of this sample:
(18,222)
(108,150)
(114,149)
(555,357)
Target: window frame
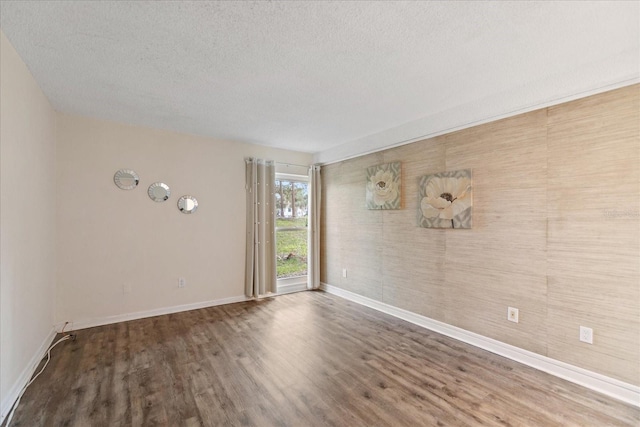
(297,283)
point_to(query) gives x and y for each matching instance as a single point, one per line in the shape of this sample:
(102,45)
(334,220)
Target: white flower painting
(383,186)
(446,200)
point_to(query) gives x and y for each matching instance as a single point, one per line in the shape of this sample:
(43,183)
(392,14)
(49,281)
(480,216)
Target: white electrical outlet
(586,334)
(512,314)
(182,282)
(344,272)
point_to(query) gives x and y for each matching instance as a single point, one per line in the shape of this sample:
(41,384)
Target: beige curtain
(260,271)
(313,244)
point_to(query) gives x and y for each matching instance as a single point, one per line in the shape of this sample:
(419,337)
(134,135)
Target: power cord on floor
(69,336)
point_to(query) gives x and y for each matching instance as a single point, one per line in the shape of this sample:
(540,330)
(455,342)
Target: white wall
(109,239)
(71,240)
(27,221)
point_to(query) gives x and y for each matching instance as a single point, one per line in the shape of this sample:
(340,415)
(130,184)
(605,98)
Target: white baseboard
(612,387)
(101,321)
(25,376)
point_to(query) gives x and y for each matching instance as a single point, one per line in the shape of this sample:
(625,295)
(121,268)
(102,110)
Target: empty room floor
(304,359)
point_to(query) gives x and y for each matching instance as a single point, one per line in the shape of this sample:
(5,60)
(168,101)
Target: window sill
(292,284)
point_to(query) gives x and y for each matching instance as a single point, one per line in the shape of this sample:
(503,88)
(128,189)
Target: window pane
(292,198)
(291,248)
(291,222)
(301,199)
(291,211)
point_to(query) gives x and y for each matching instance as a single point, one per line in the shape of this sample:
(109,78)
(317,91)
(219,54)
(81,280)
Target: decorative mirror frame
(182,204)
(152,191)
(126,174)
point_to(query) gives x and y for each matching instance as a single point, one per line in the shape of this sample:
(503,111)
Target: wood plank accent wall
(556,232)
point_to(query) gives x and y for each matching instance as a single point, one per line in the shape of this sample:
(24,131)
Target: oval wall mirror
(159,192)
(126,179)
(187,204)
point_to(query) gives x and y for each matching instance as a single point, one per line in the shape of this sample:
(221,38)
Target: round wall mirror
(126,179)
(159,192)
(187,204)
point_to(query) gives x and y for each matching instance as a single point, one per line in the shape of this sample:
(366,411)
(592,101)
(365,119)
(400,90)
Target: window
(292,201)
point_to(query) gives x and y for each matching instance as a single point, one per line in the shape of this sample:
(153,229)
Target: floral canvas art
(383,186)
(446,200)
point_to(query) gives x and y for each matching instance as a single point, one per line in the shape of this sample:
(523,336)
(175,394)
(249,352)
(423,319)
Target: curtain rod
(286,164)
(291,164)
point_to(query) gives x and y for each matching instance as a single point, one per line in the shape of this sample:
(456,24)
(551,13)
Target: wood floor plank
(305,359)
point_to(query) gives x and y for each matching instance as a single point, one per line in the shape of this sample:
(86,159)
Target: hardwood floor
(305,359)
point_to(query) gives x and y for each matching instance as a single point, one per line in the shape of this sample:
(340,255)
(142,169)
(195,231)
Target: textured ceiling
(314,76)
